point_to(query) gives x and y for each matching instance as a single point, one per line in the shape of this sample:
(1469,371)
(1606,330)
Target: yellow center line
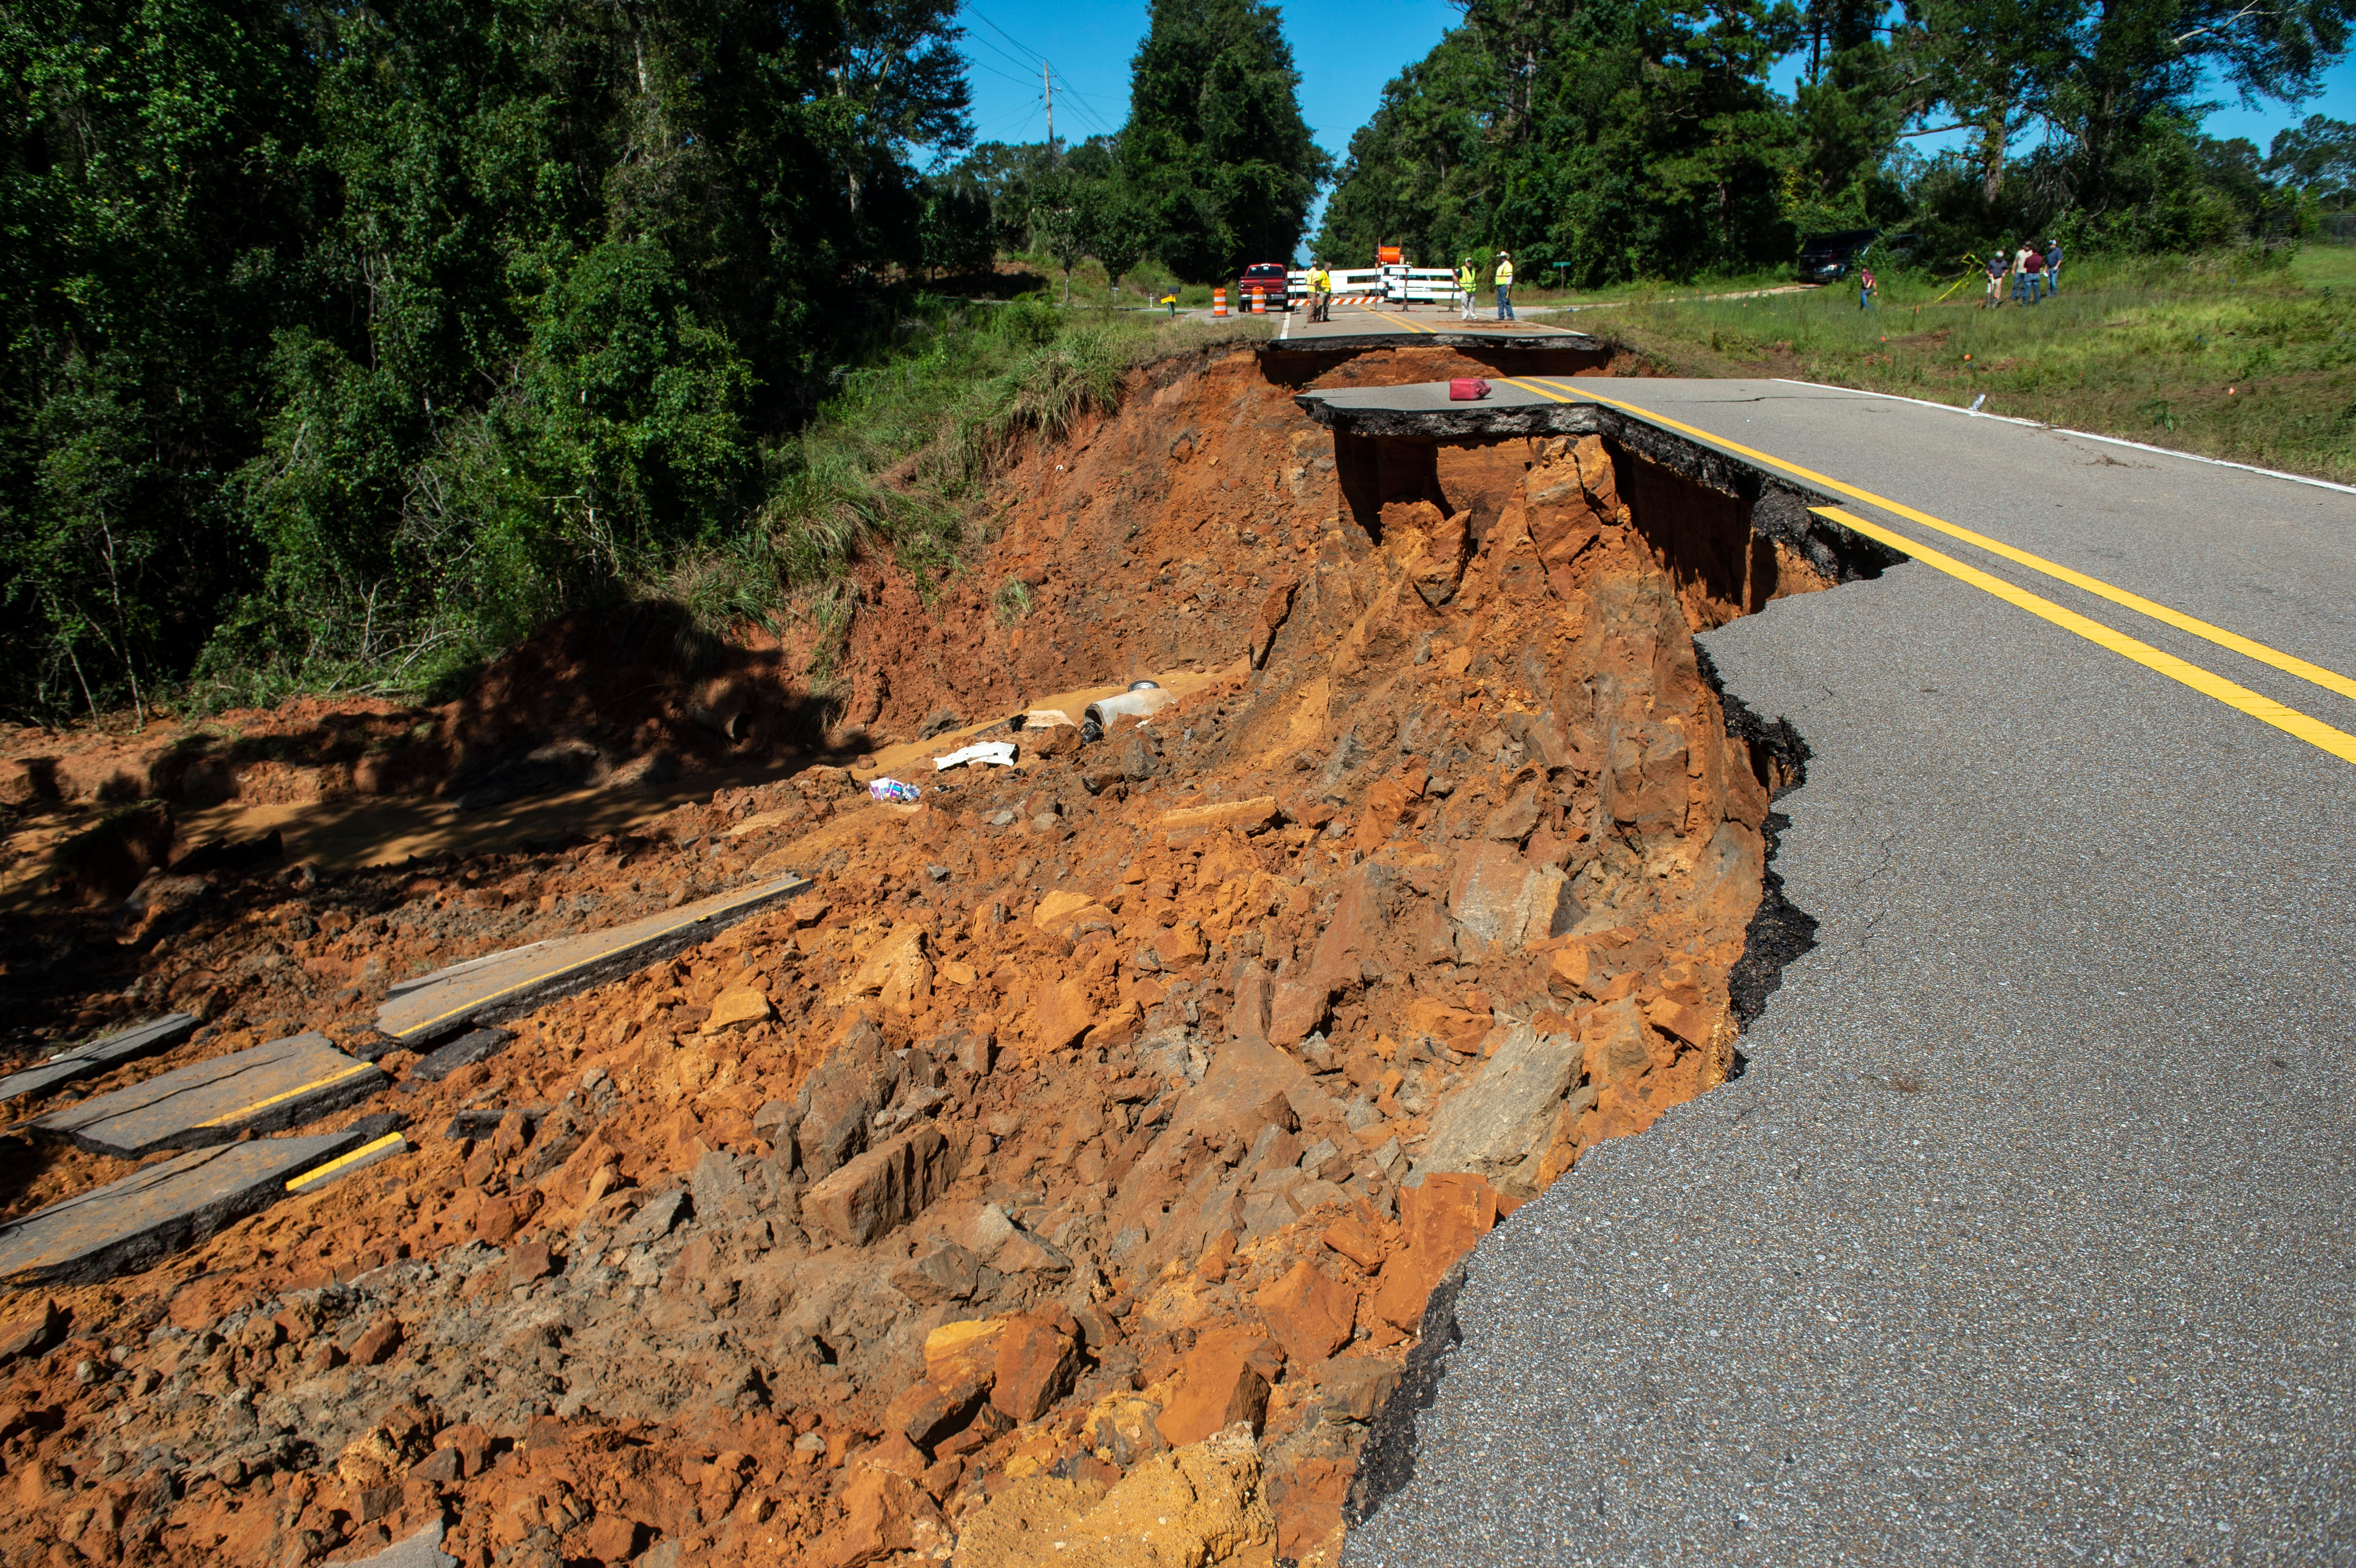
(338,1077)
(2329,680)
(1399,320)
(2314,731)
(336,1165)
(2290,721)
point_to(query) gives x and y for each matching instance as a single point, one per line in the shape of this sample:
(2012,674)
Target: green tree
(1418,173)
(2318,157)
(351,339)
(1057,221)
(1619,138)
(1114,229)
(1215,152)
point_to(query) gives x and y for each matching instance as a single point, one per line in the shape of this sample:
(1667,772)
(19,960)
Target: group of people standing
(2033,271)
(1468,281)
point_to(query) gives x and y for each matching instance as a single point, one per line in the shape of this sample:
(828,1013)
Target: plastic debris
(893,792)
(1000,753)
(1137,701)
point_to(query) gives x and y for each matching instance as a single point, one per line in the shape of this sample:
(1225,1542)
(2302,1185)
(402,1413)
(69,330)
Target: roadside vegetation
(2245,354)
(347,347)
(896,460)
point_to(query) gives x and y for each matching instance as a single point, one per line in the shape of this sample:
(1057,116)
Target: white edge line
(2082,434)
(1287,332)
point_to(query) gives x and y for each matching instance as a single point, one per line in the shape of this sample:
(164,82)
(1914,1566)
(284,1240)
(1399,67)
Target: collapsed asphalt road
(2024,1236)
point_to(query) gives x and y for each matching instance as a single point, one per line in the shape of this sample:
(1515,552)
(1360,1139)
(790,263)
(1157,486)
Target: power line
(1090,115)
(1001,75)
(1010,38)
(1020,65)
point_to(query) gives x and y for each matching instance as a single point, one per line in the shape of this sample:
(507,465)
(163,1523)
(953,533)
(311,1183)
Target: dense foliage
(362,339)
(1214,170)
(1627,138)
(1216,154)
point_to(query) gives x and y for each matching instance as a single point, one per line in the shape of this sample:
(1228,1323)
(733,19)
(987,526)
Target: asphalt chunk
(98,1055)
(269,1088)
(508,984)
(128,1224)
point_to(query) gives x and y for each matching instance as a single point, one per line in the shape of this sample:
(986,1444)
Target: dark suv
(1828,258)
(1270,279)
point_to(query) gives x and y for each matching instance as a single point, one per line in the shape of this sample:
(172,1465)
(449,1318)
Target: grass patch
(2240,356)
(896,460)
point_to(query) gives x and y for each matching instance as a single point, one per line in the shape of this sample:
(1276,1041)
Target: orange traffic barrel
(1259,303)
(1218,302)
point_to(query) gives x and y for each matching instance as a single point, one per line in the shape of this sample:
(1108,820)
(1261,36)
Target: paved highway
(2026,1235)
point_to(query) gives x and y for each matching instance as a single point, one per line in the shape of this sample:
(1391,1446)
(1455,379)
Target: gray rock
(947,1272)
(1023,1252)
(422,1550)
(658,1216)
(838,1104)
(1505,1116)
(883,1188)
(1353,1389)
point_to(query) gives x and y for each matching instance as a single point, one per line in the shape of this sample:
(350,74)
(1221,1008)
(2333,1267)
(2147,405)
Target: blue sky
(1346,52)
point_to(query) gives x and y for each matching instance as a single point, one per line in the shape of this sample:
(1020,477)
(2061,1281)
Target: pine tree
(1216,154)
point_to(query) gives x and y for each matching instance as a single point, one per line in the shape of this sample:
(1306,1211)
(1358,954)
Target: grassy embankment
(2235,355)
(896,460)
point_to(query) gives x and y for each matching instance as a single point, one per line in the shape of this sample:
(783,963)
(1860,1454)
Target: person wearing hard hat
(1505,287)
(1321,292)
(1468,281)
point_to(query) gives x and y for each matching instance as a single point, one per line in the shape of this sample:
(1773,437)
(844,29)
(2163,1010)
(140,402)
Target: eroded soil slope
(1073,1160)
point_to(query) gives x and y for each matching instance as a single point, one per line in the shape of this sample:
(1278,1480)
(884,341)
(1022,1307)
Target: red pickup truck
(1270,278)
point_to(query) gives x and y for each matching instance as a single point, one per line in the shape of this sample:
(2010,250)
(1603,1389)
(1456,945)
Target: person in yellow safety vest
(1505,287)
(1321,292)
(1468,281)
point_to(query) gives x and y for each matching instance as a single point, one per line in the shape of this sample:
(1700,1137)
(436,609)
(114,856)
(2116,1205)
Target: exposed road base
(1385,438)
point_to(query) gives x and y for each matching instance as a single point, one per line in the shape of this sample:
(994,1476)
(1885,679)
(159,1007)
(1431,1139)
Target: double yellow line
(2290,721)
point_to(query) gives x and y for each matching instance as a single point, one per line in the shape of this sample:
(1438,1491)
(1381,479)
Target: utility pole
(1047,83)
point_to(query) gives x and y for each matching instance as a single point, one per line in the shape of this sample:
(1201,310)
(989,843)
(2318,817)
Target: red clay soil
(1075,1157)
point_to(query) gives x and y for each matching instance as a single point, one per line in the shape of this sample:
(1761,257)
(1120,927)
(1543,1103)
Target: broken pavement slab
(98,1055)
(265,1089)
(344,1165)
(474,1045)
(129,1223)
(506,985)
